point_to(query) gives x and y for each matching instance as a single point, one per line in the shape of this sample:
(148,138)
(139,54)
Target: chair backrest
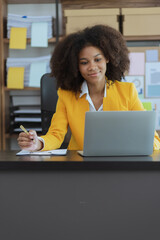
(48,104)
(48,100)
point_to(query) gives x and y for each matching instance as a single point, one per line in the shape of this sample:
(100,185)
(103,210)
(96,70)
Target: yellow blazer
(70,110)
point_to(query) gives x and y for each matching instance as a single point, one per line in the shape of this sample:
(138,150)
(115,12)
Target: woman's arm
(59,125)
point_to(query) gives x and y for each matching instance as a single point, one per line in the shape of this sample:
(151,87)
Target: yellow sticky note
(18,38)
(15,78)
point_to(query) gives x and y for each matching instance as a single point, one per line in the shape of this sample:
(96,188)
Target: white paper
(39,33)
(37,129)
(28,111)
(153,79)
(152,55)
(37,70)
(50,152)
(27,119)
(137,63)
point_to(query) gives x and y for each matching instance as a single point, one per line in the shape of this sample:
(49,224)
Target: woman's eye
(83,63)
(98,59)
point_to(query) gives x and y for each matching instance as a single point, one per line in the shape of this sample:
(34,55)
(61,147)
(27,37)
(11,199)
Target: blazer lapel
(82,106)
(111,101)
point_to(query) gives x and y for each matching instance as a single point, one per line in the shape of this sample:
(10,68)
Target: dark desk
(68,197)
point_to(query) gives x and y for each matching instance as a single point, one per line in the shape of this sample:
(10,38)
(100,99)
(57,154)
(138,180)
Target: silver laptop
(119,133)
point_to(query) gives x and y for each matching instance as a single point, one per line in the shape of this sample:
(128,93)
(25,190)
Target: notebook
(57,152)
(119,133)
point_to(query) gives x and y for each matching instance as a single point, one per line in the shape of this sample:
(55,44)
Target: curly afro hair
(65,59)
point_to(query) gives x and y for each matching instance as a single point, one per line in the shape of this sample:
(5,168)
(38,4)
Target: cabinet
(66,5)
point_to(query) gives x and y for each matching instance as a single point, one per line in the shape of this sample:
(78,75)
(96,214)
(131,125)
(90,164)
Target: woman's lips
(93,74)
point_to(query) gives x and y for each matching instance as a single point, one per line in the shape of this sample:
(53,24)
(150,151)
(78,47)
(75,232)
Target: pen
(24,130)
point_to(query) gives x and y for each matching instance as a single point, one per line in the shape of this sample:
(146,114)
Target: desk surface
(95,203)
(73,161)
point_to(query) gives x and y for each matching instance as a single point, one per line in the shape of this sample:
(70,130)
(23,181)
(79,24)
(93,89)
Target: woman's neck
(96,90)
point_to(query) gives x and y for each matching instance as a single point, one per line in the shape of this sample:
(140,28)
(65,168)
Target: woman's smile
(94,74)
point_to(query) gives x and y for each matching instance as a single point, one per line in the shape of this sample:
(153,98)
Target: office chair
(48,104)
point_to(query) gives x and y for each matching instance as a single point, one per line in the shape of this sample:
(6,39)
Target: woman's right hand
(29,141)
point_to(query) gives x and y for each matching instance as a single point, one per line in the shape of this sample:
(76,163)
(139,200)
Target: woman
(89,66)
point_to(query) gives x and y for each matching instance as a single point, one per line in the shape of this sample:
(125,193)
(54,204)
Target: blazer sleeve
(136,104)
(59,125)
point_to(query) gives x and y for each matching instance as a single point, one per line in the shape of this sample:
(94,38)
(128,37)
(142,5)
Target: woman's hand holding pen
(29,141)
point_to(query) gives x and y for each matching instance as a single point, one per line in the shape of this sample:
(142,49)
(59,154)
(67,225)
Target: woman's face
(92,65)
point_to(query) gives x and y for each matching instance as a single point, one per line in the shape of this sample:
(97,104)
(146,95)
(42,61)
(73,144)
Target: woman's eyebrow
(97,54)
(93,56)
(83,59)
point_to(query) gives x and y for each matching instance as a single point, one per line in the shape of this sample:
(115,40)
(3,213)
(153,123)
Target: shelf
(79,4)
(142,38)
(24,89)
(51,40)
(29,1)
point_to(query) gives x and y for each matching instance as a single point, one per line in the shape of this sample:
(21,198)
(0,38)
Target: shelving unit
(51,40)
(66,4)
(4,45)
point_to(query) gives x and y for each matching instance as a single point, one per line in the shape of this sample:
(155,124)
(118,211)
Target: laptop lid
(119,133)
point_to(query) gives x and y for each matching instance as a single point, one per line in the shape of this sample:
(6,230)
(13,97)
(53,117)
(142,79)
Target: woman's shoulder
(124,85)
(118,83)
(66,94)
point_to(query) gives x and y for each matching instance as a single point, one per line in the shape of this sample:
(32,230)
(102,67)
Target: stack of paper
(20,21)
(34,68)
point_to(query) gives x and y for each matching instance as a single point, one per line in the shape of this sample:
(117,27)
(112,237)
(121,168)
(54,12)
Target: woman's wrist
(39,145)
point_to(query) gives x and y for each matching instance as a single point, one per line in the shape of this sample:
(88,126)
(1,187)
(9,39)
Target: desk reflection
(119,159)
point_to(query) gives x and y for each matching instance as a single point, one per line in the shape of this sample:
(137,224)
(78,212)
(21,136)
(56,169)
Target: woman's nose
(92,66)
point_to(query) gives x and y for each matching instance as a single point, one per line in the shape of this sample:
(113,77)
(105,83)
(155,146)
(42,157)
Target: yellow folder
(18,38)
(15,77)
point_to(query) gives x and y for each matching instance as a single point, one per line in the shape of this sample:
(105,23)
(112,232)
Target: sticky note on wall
(39,34)
(18,38)
(147,106)
(37,69)
(15,78)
